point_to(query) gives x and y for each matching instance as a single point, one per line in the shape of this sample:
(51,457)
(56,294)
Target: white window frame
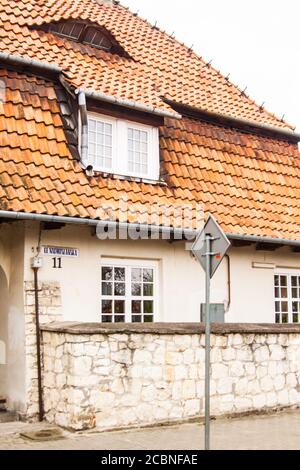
(120,155)
(128,264)
(288,273)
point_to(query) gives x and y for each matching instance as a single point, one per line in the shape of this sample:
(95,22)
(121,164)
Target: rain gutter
(141,227)
(128,104)
(239,122)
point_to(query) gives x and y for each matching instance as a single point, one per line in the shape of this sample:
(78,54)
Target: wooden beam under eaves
(52,225)
(240,243)
(268,246)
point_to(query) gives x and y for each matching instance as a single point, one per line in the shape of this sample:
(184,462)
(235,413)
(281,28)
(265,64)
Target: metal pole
(207,341)
(38,345)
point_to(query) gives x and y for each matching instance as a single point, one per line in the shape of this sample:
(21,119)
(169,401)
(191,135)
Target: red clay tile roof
(159,66)
(249,182)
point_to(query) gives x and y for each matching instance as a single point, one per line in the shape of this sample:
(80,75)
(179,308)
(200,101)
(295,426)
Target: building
(109,123)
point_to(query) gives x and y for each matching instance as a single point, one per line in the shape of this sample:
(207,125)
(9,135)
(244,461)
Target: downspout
(84,127)
(228,282)
(38,343)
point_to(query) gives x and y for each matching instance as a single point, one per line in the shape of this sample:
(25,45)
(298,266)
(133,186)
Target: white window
(122,147)
(128,291)
(287,297)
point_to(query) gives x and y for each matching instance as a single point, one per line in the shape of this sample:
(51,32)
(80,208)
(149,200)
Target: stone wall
(110,378)
(49,311)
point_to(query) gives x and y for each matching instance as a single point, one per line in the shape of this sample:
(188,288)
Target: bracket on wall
(52,225)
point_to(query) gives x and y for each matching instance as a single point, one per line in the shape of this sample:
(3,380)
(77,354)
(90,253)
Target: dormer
(84,32)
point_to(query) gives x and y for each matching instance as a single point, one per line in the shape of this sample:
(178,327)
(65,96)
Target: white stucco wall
(12,318)
(181,279)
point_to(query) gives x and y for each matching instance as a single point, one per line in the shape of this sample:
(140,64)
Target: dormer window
(82,32)
(120,147)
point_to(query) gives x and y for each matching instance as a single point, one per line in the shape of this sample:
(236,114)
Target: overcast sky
(257,41)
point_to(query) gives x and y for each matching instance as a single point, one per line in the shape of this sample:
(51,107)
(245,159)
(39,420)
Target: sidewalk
(276,432)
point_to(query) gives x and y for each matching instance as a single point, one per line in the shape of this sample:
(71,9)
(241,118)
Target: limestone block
(144,412)
(221,341)
(224,386)
(177,390)
(176,412)
(291,380)
(193,371)
(237,369)
(152,372)
(182,342)
(294,397)
(216,355)
(253,387)
(181,372)
(81,366)
(283,397)
(241,386)
(200,388)
(148,394)
(106,420)
(219,371)
(188,356)
(174,358)
(159,355)
(277,352)
(259,401)
(261,354)
(266,384)
(229,354)
(142,357)
(226,404)
(243,404)
(250,369)
(122,357)
(237,340)
(117,386)
(188,389)
(271,399)
(191,407)
(279,382)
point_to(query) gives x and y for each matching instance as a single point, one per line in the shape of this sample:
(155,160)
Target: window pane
(283,281)
(106,306)
(106,288)
(136,289)
(148,290)
(136,318)
(277,318)
(284,292)
(294,281)
(120,274)
(107,318)
(100,143)
(148,318)
(284,307)
(136,306)
(107,274)
(119,288)
(137,151)
(136,275)
(148,306)
(148,275)
(285,318)
(120,319)
(276,280)
(119,306)
(295,318)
